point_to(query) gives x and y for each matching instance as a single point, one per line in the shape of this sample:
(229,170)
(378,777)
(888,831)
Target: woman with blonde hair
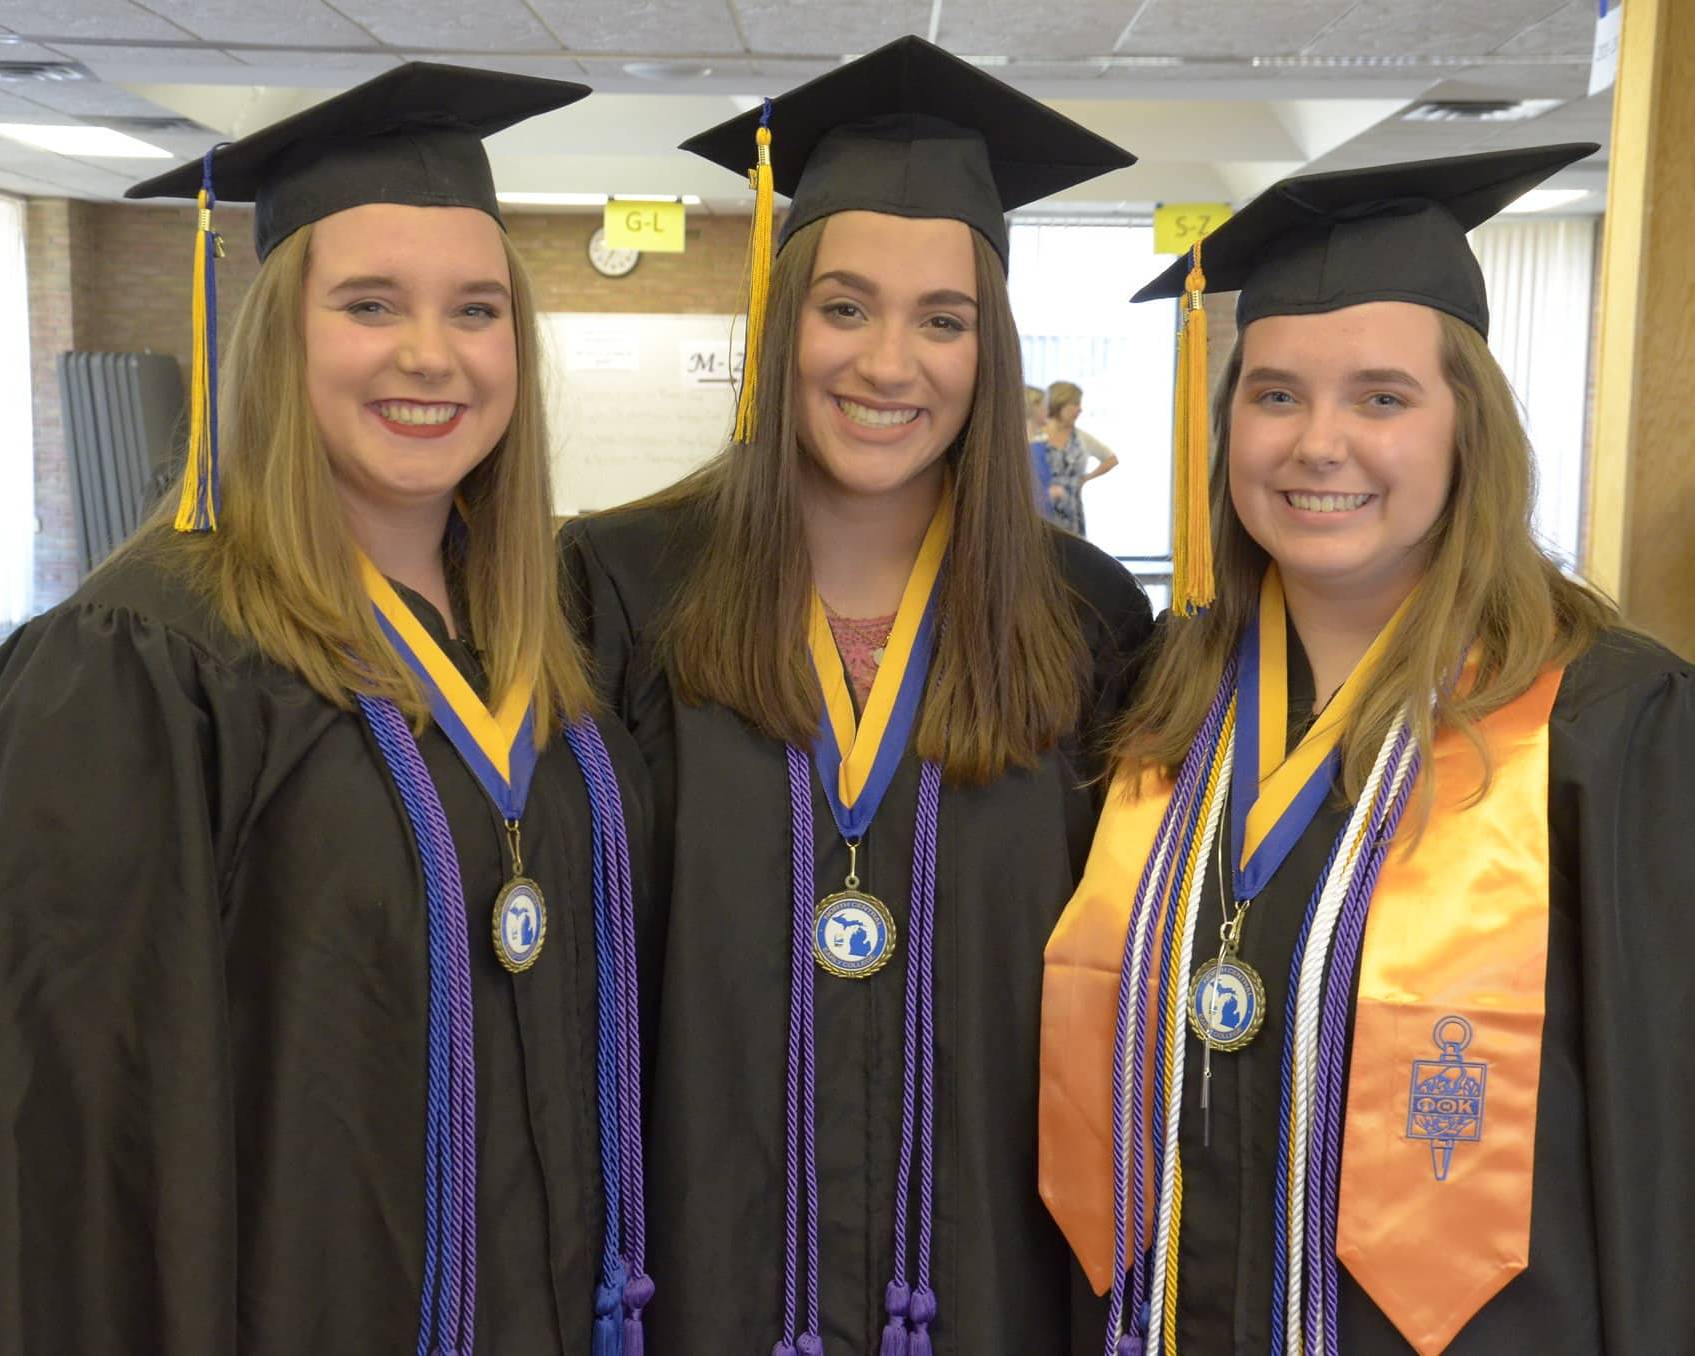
(1364,1029)
(1067,451)
(315,857)
(866,677)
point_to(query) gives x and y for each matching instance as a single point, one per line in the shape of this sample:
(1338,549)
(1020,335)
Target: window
(17,438)
(1540,276)
(1070,285)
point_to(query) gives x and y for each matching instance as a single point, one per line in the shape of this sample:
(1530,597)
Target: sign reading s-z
(1178,225)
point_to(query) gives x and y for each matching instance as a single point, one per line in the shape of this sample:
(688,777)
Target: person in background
(311,834)
(868,679)
(1068,451)
(1035,411)
(1035,415)
(1367,1029)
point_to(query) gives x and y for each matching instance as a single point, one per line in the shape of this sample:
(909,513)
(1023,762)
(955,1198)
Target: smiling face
(1342,445)
(411,355)
(887,349)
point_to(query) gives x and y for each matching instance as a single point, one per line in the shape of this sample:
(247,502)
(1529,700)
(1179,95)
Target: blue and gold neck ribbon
(856,758)
(1275,792)
(499,745)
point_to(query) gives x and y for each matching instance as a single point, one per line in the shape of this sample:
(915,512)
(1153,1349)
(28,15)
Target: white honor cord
(1142,918)
(1308,1008)
(1174,1075)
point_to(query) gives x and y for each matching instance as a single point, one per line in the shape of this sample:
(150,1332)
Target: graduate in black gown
(856,608)
(1366,1030)
(299,1014)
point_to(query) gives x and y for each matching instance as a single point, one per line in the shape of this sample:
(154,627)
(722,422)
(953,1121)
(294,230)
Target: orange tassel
(1191,530)
(759,284)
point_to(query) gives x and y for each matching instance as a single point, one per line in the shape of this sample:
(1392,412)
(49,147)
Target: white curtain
(17,439)
(1540,276)
(1070,287)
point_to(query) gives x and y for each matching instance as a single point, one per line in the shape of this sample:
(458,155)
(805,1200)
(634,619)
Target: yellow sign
(1177,225)
(651,227)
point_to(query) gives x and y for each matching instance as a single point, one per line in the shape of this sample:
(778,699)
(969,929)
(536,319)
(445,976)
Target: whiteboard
(635,402)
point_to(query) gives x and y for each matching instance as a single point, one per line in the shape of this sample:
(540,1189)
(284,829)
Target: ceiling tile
(828,28)
(15,108)
(1433,27)
(1230,27)
(114,19)
(28,185)
(452,25)
(1077,28)
(670,27)
(104,59)
(777,74)
(551,66)
(1570,29)
(27,51)
(90,98)
(1506,81)
(316,70)
(1023,73)
(308,22)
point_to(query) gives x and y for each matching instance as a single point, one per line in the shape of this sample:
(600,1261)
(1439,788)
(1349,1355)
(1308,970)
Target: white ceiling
(1219,98)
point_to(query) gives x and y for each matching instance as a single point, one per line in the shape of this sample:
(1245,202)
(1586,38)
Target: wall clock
(612,263)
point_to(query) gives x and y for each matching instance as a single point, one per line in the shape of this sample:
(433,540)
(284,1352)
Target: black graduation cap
(913,131)
(413,135)
(1319,242)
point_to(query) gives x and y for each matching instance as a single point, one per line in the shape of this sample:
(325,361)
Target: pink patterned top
(860,642)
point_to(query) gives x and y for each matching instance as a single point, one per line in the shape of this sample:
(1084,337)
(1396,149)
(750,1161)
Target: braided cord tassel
(197,507)
(759,257)
(448,1302)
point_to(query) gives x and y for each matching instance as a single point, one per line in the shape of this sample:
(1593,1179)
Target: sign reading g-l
(651,227)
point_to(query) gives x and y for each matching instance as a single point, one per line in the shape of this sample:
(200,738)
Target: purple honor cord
(802,1137)
(1126,1333)
(911,1308)
(1324,1132)
(446,1324)
(625,1285)
(447,1321)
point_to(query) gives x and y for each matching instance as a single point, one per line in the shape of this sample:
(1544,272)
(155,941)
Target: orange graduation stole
(1440,1127)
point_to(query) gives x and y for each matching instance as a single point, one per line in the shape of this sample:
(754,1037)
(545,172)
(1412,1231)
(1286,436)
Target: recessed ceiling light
(1541,199)
(82,139)
(1479,110)
(552,199)
(666,70)
(687,199)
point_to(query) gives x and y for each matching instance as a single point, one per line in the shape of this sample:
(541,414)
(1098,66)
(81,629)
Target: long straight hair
(1487,590)
(281,570)
(1010,669)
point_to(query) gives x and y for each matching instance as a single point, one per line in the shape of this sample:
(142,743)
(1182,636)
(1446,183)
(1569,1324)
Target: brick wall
(116,278)
(50,253)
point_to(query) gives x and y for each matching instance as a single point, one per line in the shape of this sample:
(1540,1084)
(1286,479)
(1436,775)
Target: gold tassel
(1191,530)
(197,510)
(759,283)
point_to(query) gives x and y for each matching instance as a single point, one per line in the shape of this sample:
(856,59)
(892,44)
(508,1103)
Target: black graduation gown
(1008,856)
(1613,1218)
(213,998)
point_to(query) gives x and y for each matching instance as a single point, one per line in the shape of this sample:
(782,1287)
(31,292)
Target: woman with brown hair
(315,857)
(854,612)
(1425,1088)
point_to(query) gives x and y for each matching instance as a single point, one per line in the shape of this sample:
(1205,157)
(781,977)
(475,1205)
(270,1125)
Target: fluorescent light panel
(82,139)
(590,199)
(1541,199)
(553,199)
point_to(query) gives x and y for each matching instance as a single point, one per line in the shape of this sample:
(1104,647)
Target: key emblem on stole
(1445,1103)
